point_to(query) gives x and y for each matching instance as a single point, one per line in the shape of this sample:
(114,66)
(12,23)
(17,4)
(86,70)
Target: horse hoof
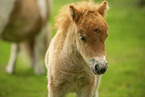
(39,72)
(9,70)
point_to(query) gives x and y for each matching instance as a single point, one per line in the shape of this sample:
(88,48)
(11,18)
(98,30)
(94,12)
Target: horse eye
(83,38)
(106,36)
(96,30)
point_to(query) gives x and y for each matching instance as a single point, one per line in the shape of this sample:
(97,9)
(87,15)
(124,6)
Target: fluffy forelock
(63,19)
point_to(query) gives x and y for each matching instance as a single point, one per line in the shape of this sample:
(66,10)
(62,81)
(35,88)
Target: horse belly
(24,23)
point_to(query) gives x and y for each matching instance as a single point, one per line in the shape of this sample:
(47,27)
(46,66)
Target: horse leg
(29,45)
(56,91)
(86,91)
(98,81)
(40,47)
(14,53)
(37,59)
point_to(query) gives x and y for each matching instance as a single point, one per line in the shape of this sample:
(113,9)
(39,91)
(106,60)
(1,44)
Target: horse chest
(79,82)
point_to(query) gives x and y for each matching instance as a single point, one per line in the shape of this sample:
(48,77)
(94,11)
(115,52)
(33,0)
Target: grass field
(125,48)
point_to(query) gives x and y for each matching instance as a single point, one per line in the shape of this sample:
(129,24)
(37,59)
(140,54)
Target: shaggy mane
(63,19)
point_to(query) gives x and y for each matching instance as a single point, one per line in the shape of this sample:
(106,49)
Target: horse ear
(74,13)
(103,7)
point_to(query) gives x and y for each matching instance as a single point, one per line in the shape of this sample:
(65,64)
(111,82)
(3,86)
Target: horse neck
(70,41)
(70,53)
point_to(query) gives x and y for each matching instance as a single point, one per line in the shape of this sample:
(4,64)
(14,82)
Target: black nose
(101,69)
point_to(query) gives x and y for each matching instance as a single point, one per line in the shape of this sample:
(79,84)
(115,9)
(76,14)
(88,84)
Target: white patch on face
(43,8)
(101,60)
(6,8)
(97,59)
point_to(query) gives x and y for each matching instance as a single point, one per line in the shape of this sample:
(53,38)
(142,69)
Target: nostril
(103,70)
(106,63)
(96,67)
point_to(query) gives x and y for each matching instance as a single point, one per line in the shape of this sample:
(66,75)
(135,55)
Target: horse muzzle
(98,66)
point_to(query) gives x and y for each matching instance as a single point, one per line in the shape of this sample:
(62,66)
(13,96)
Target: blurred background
(125,53)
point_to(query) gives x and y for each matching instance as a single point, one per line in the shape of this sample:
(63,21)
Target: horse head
(91,31)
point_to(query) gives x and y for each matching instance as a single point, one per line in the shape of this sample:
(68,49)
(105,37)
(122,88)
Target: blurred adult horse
(75,59)
(25,20)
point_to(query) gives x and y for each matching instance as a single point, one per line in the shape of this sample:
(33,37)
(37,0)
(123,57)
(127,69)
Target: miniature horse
(25,20)
(75,59)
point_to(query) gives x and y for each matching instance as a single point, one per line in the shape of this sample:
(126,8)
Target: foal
(75,59)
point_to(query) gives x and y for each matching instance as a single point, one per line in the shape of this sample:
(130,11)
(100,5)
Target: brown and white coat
(25,20)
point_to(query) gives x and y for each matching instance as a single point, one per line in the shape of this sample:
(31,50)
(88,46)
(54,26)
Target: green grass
(125,48)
